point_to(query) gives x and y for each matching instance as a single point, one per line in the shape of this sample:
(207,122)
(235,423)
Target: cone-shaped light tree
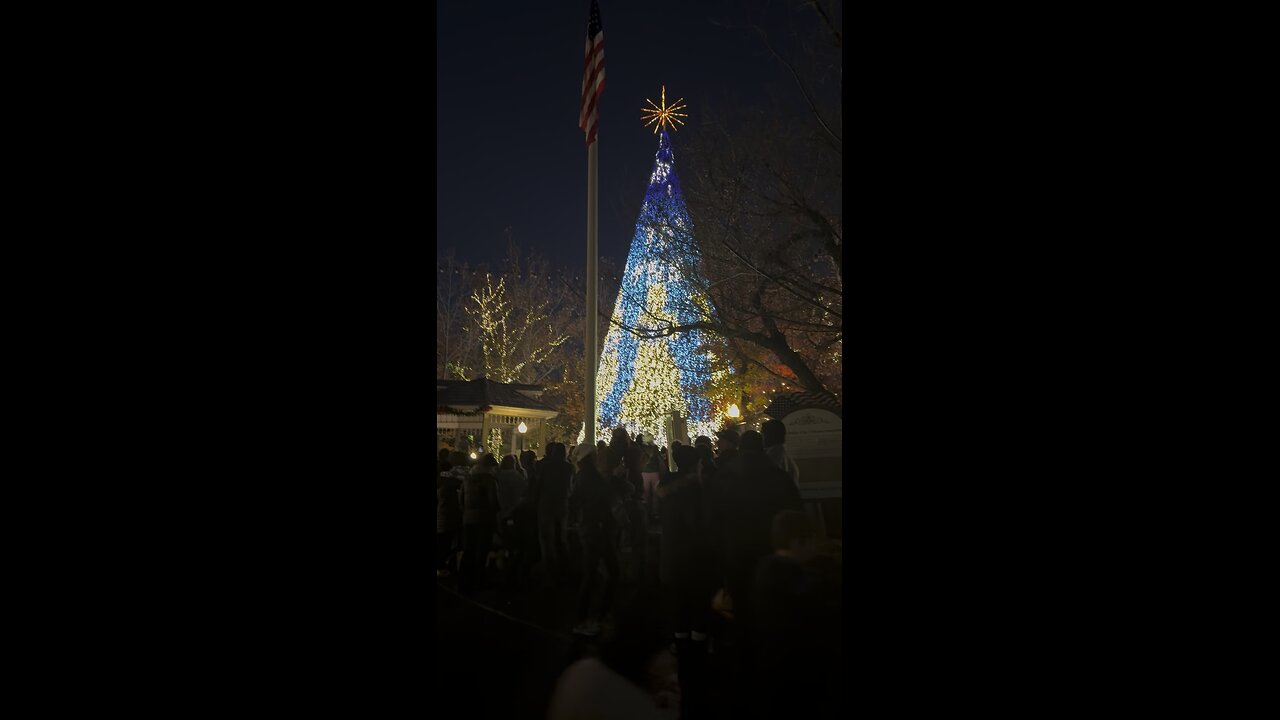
(642,379)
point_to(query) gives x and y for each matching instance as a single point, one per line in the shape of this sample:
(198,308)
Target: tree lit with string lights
(644,376)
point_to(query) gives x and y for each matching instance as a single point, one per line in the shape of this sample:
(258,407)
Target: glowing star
(661,116)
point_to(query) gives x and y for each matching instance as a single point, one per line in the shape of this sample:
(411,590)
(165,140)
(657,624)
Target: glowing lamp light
(523,428)
(473,456)
(733,411)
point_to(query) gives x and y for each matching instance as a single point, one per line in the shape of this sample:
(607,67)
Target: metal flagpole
(591,344)
(592,87)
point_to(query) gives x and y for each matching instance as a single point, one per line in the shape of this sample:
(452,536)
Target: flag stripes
(592,74)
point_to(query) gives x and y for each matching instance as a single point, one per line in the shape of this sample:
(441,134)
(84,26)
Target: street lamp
(523,429)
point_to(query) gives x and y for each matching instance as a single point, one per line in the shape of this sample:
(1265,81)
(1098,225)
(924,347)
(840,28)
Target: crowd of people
(739,571)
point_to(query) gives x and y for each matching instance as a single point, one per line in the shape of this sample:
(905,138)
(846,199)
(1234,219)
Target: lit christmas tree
(642,381)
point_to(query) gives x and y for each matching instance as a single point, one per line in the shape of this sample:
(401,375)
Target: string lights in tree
(642,380)
(509,337)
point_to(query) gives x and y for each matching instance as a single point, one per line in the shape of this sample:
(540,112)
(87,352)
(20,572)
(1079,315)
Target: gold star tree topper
(663,115)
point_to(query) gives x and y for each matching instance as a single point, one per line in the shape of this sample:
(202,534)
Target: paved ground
(496,666)
(503,650)
(523,635)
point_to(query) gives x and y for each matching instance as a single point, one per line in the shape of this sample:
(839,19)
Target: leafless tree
(764,192)
(457,344)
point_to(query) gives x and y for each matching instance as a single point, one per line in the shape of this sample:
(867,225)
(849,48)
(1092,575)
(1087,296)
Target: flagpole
(591,343)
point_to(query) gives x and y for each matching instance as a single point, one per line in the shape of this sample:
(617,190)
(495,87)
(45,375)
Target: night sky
(509,76)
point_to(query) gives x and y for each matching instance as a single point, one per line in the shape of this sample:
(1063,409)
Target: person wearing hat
(728,447)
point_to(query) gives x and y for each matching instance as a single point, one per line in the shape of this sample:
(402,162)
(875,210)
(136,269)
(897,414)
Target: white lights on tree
(643,374)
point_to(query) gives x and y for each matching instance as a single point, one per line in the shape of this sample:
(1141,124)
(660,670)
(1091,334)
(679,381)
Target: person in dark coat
(512,488)
(512,491)
(627,457)
(689,555)
(549,495)
(754,491)
(524,523)
(442,459)
(630,454)
(479,521)
(448,512)
(528,464)
(596,496)
(729,439)
(650,474)
(775,438)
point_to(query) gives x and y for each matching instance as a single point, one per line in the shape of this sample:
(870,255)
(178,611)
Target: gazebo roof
(483,391)
(790,402)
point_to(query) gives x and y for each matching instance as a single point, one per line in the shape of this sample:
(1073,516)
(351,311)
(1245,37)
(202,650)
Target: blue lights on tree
(641,380)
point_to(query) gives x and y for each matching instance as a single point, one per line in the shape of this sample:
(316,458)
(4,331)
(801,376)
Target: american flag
(592,74)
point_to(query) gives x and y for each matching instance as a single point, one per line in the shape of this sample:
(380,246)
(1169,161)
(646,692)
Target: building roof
(482,392)
(782,405)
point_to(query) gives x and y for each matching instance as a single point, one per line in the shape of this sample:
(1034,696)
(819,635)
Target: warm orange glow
(661,116)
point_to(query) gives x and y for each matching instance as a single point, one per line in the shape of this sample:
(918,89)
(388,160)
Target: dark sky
(509,75)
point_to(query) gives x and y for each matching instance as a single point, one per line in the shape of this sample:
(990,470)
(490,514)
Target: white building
(468,413)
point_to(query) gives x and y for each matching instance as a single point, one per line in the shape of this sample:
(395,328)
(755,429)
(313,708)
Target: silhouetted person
(689,572)
(754,491)
(650,474)
(448,512)
(775,438)
(630,455)
(728,447)
(708,458)
(524,523)
(593,502)
(627,458)
(479,521)
(442,459)
(512,487)
(689,552)
(528,464)
(550,496)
